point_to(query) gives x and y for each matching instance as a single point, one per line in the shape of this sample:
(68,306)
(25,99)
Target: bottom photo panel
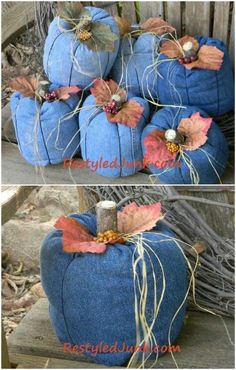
(117,276)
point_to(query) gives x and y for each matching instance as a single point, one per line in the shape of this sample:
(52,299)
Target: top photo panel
(118,92)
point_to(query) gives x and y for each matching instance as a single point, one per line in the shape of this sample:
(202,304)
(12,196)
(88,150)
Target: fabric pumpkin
(135,68)
(208,160)
(44,134)
(68,61)
(91,296)
(115,143)
(210,90)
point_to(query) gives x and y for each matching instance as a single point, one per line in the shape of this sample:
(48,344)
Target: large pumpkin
(44,131)
(68,61)
(116,148)
(208,161)
(210,90)
(91,296)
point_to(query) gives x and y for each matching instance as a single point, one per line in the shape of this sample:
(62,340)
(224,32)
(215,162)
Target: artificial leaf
(124,26)
(63,93)
(156,152)
(173,48)
(69,10)
(103,39)
(209,57)
(157,26)
(129,115)
(76,237)
(24,85)
(103,91)
(195,129)
(137,219)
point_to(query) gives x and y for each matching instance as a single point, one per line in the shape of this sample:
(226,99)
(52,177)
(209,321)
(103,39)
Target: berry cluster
(108,236)
(187,60)
(50,96)
(172,147)
(111,107)
(84,35)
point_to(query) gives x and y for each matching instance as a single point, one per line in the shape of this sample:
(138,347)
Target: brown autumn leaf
(63,93)
(195,129)
(124,25)
(103,91)
(157,26)
(156,152)
(129,115)
(135,219)
(24,85)
(69,10)
(76,237)
(173,48)
(209,57)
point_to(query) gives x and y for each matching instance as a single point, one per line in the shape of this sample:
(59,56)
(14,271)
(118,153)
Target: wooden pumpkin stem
(106,216)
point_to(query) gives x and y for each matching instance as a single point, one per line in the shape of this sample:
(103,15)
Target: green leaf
(69,10)
(103,39)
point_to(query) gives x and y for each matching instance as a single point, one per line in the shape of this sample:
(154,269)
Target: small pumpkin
(135,67)
(184,146)
(111,124)
(206,81)
(46,131)
(81,45)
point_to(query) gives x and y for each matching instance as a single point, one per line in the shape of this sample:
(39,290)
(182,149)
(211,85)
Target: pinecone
(108,236)
(50,96)
(111,107)
(172,147)
(83,35)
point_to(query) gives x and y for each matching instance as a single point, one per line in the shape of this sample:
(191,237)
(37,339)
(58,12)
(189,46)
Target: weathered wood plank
(128,11)
(151,9)
(39,362)
(221,20)
(12,198)
(16,19)
(173,15)
(15,170)
(202,335)
(197,18)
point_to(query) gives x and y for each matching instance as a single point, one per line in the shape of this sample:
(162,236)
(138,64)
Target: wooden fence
(206,18)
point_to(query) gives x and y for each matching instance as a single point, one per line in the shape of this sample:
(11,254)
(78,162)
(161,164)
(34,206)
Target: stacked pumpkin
(109,120)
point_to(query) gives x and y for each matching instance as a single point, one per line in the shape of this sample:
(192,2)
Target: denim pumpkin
(44,134)
(212,91)
(115,143)
(134,68)
(216,148)
(68,61)
(91,296)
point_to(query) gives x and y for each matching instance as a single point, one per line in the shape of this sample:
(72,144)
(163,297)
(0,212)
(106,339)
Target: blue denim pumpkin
(135,68)
(216,149)
(68,61)
(117,144)
(212,91)
(91,296)
(44,133)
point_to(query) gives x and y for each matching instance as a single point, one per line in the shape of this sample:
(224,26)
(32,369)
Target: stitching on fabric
(49,53)
(40,125)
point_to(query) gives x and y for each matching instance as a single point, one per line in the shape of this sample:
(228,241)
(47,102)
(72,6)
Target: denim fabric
(68,61)
(92,295)
(102,140)
(135,67)
(43,140)
(216,148)
(212,91)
